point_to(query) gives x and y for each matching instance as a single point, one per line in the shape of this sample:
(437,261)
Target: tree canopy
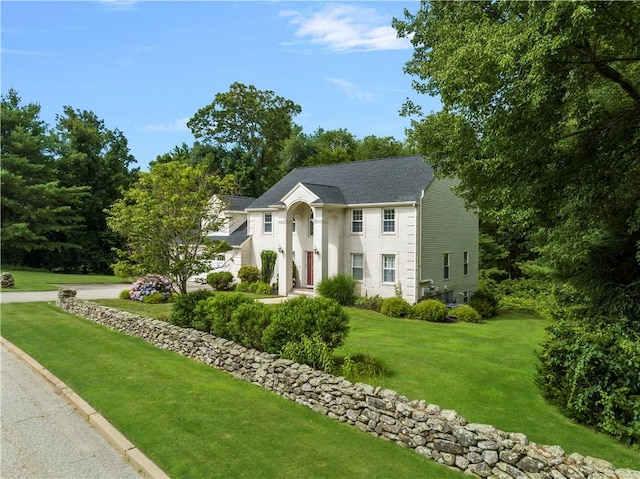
(256,122)
(37,211)
(168,217)
(541,123)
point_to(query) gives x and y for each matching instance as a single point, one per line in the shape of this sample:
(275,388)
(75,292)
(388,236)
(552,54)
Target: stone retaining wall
(438,434)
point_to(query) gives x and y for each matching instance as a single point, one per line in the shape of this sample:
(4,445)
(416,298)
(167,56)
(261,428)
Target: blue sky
(147,67)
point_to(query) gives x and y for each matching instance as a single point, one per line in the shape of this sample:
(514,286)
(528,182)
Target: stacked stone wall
(438,434)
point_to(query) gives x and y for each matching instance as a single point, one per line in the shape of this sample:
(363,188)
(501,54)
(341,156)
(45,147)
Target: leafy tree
(372,146)
(37,212)
(167,217)
(541,123)
(257,122)
(91,155)
(331,146)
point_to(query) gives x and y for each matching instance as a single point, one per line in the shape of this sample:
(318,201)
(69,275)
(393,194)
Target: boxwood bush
(395,307)
(467,314)
(248,322)
(220,280)
(184,305)
(249,274)
(430,310)
(306,317)
(214,314)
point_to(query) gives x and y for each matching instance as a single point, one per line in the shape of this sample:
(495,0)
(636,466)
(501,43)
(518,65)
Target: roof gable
(388,180)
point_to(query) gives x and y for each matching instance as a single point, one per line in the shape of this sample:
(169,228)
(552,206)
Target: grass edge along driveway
(193,420)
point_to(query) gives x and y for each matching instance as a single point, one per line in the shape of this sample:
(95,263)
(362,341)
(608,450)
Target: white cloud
(176,125)
(346,28)
(350,89)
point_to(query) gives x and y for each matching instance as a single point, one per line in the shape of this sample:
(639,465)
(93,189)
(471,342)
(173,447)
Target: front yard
(483,371)
(204,419)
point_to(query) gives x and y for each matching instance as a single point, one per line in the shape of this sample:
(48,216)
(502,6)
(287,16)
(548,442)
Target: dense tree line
(56,184)
(541,123)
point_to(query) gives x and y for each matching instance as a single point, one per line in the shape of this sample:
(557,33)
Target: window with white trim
(465,297)
(356,221)
(389,220)
(465,263)
(311,224)
(268,223)
(389,268)
(357,266)
(447,265)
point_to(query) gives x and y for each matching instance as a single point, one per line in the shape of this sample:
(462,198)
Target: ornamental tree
(167,217)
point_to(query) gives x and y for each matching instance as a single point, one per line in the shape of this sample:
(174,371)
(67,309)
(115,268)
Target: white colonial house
(390,223)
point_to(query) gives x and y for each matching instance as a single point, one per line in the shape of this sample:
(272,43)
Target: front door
(310,260)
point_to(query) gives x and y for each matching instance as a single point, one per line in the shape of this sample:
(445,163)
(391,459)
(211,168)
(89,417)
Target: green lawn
(483,371)
(193,420)
(44,281)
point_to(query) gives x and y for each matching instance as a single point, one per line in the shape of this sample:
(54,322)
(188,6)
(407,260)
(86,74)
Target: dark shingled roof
(388,180)
(236,238)
(238,203)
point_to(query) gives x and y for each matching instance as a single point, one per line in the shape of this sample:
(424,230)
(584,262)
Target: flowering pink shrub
(151,284)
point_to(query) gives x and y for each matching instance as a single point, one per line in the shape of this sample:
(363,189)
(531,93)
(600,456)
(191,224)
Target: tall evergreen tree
(89,154)
(37,211)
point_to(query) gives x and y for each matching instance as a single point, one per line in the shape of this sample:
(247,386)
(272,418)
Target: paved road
(84,291)
(43,438)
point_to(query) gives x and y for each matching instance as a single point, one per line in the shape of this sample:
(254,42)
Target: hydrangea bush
(151,284)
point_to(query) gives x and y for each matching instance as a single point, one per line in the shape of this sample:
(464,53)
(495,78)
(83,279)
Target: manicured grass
(483,371)
(44,281)
(195,421)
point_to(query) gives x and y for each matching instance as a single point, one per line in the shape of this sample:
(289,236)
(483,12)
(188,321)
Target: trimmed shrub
(484,302)
(155,298)
(214,314)
(340,288)
(430,310)
(311,351)
(467,314)
(220,280)
(395,307)
(150,284)
(184,305)
(248,322)
(249,274)
(304,316)
(124,294)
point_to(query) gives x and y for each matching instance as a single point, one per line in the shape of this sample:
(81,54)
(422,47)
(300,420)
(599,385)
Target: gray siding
(447,227)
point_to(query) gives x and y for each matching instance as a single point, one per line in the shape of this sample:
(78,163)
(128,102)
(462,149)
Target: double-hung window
(447,265)
(356,221)
(465,263)
(388,268)
(357,266)
(388,220)
(268,223)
